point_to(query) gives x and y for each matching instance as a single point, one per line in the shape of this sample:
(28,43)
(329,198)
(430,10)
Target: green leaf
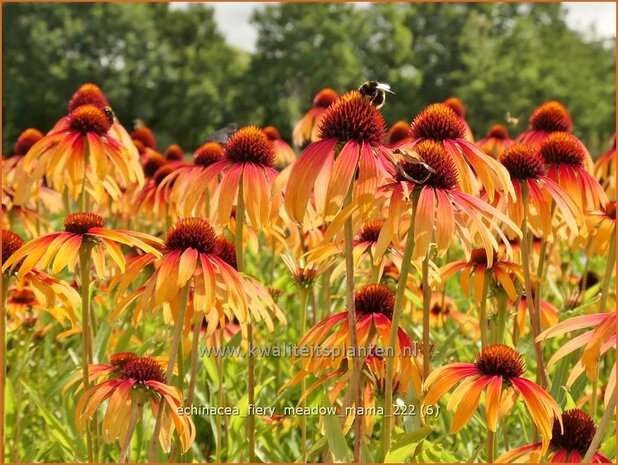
(405,445)
(99,345)
(334,435)
(56,429)
(570,403)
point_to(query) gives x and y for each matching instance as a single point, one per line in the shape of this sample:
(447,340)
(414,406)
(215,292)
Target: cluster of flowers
(389,209)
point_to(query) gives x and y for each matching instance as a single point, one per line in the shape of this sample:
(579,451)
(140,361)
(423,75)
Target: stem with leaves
(392,342)
(525,253)
(84,264)
(180,319)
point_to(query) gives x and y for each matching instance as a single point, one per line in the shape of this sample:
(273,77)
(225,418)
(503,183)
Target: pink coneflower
(549,117)
(458,107)
(440,123)
(284,154)
(566,157)
(306,130)
(351,147)
(496,141)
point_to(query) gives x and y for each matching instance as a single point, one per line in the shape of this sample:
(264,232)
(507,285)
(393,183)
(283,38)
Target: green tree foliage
(536,58)
(168,67)
(172,68)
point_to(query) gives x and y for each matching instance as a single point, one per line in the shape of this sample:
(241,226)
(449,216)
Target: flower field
(356,292)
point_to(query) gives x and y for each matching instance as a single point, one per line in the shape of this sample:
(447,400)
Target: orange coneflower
(182,181)
(374,305)
(458,107)
(441,309)
(174,153)
(549,117)
(284,154)
(247,176)
(440,123)
(47,288)
(397,132)
(145,135)
(501,273)
(569,443)
(442,207)
(498,368)
(81,149)
(351,147)
(14,178)
(502,270)
(527,169)
(136,381)
(605,169)
(596,342)
(27,299)
(566,156)
(12,166)
(549,314)
(496,141)
(370,242)
(153,197)
(193,255)
(92,94)
(602,227)
(88,93)
(61,249)
(306,130)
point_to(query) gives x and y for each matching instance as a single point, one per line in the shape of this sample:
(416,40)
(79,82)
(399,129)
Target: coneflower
(441,124)
(458,107)
(549,117)
(345,166)
(306,130)
(569,443)
(497,368)
(496,141)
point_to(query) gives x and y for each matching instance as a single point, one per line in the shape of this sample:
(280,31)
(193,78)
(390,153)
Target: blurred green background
(172,68)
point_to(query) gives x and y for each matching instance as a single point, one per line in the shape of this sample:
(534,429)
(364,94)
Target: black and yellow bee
(109,113)
(376,92)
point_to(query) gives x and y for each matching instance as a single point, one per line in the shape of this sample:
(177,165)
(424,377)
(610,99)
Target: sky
(233,19)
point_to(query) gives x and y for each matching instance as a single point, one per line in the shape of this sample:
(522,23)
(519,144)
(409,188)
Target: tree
(168,67)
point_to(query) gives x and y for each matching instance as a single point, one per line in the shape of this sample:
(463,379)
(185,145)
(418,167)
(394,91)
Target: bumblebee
(376,92)
(109,113)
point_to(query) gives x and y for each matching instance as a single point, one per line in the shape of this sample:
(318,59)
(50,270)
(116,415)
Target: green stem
(221,397)
(67,202)
(354,387)
(6,279)
(180,319)
(610,412)
(609,268)
(483,311)
(325,291)
(197,326)
(240,260)
(491,438)
(541,269)
(595,393)
(84,264)
(136,413)
(426,316)
(304,294)
(525,254)
(84,194)
(500,329)
(392,341)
